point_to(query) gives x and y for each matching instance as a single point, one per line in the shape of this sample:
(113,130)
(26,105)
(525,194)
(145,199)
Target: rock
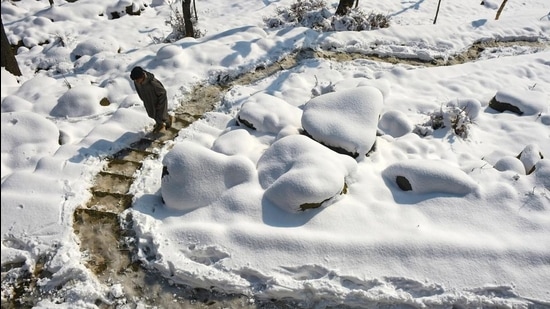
(345,120)
(519,101)
(529,156)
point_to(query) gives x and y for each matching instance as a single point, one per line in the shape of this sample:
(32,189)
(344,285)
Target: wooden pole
(437,11)
(500,9)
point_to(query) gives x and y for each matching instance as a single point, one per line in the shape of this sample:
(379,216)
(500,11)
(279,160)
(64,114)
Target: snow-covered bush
(357,20)
(457,114)
(316,15)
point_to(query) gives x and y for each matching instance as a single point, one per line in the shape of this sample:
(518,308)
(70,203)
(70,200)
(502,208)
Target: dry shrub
(315,14)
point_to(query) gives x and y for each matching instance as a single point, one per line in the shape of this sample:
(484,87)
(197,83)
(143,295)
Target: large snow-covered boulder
(80,101)
(298,173)
(268,114)
(429,176)
(195,176)
(519,101)
(345,120)
(94,46)
(239,141)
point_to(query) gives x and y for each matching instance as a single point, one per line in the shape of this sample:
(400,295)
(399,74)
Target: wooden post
(500,9)
(437,11)
(186,7)
(8,57)
(344,6)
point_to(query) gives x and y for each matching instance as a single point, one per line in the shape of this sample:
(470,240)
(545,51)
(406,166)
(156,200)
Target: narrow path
(102,232)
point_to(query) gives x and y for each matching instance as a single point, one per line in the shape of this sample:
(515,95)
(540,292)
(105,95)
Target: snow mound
(346,119)
(26,138)
(79,101)
(395,123)
(289,171)
(527,102)
(268,114)
(196,176)
(510,163)
(429,176)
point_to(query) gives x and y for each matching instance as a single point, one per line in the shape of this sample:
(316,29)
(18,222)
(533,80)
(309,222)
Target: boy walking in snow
(153,94)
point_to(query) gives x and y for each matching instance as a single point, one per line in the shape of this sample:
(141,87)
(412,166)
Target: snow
(347,119)
(250,204)
(530,104)
(197,176)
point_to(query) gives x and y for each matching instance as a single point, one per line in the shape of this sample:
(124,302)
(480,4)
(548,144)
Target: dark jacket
(153,95)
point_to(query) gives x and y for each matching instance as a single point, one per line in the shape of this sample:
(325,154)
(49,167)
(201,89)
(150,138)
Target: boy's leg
(158,127)
(168,122)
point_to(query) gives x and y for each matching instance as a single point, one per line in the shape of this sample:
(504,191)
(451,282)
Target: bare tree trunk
(500,9)
(195,9)
(437,11)
(344,6)
(7,56)
(186,7)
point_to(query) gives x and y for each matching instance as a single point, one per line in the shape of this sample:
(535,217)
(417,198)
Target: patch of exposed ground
(473,53)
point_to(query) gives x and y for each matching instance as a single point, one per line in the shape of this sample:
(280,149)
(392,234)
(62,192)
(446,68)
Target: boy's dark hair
(137,72)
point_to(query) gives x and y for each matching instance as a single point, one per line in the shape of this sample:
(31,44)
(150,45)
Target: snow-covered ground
(236,215)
